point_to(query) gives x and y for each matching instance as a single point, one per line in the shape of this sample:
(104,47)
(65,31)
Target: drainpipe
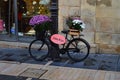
(16,18)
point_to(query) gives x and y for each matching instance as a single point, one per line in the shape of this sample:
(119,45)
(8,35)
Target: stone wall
(102,19)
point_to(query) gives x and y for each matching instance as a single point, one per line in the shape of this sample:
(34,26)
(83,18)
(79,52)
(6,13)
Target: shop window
(33,7)
(26,9)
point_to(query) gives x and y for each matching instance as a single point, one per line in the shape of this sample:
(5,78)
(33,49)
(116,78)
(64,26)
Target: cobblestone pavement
(109,62)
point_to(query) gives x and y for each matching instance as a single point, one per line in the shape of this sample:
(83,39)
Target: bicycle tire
(38,50)
(75,49)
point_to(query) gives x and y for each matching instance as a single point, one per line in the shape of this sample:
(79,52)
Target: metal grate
(33,73)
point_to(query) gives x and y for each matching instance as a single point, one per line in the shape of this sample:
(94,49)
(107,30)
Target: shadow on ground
(109,62)
(7,77)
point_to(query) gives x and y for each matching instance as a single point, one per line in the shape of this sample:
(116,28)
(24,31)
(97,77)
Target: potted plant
(75,23)
(40,23)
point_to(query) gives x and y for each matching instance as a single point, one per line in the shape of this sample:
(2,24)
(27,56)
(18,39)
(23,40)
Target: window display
(35,7)
(26,9)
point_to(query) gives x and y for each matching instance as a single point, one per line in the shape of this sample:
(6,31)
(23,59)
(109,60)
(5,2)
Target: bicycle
(76,48)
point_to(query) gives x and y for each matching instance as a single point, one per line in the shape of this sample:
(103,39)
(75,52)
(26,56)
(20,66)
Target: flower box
(75,23)
(74,32)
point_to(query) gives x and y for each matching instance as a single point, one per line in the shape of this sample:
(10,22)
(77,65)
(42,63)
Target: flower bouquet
(40,23)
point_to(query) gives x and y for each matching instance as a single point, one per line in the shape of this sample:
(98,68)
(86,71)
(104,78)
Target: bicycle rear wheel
(38,50)
(78,49)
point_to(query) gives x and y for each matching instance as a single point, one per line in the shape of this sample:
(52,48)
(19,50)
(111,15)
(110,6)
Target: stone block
(74,3)
(117,49)
(89,24)
(103,38)
(63,2)
(88,12)
(116,3)
(69,3)
(63,10)
(115,39)
(89,36)
(107,12)
(93,48)
(110,49)
(117,26)
(87,9)
(104,3)
(91,2)
(105,24)
(74,11)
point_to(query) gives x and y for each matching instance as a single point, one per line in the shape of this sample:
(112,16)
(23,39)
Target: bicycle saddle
(65,31)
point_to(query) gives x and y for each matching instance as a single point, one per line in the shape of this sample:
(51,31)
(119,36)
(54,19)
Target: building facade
(101,17)
(102,21)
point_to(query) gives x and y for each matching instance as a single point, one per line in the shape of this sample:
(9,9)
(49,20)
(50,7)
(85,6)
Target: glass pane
(31,8)
(7,20)
(3,17)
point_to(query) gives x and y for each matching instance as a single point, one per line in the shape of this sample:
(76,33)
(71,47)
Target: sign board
(58,39)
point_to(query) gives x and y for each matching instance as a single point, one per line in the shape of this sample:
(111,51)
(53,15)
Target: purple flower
(39,19)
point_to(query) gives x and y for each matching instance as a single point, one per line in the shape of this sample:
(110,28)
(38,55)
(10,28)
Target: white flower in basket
(79,24)
(76,25)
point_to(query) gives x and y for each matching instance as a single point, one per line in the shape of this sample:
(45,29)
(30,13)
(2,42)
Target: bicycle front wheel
(38,50)
(78,49)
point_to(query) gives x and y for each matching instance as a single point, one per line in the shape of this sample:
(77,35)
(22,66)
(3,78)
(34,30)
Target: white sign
(44,2)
